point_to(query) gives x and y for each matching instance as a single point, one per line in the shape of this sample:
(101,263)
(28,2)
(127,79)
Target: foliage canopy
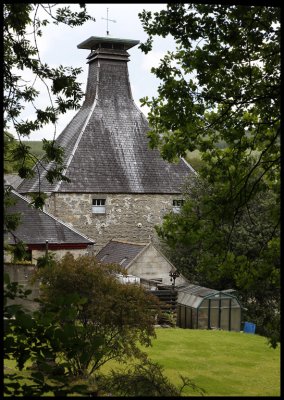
(23,25)
(112,318)
(87,317)
(222,86)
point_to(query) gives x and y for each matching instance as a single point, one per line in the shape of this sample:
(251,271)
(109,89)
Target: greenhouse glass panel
(235,303)
(183,317)
(225,303)
(188,312)
(214,313)
(204,304)
(202,318)
(236,319)
(214,303)
(179,315)
(224,319)
(194,317)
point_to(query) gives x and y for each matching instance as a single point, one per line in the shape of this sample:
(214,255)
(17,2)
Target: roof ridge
(189,166)
(83,129)
(127,242)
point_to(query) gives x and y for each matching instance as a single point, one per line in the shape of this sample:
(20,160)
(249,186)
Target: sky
(58,46)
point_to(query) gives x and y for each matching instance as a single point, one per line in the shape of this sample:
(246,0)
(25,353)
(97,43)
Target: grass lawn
(222,363)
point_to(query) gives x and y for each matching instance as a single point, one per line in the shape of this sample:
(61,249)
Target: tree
(222,86)
(70,337)
(245,257)
(111,317)
(23,25)
(30,337)
(87,317)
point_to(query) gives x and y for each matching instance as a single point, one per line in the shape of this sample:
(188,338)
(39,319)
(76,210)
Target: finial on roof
(107,19)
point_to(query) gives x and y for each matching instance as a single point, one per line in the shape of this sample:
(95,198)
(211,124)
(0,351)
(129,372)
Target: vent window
(99,206)
(177,204)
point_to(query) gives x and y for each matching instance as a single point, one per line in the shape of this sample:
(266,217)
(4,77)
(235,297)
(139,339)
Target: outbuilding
(142,260)
(203,308)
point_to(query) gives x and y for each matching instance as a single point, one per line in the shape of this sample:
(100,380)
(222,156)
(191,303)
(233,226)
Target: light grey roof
(106,143)
(94,41)
(38,226)
(119,252)
(193,295)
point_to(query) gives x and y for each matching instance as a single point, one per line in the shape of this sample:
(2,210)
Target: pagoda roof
(106,144)
(94,41)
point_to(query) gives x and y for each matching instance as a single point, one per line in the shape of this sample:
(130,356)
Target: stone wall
(153,265)
(129,217)
(58,254)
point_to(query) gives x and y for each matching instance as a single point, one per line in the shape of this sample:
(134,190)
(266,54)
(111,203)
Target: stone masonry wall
(58,254)
(129,217)
(151,266)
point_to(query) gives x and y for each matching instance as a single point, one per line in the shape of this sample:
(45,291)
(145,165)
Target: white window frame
(177,204)
(99,206)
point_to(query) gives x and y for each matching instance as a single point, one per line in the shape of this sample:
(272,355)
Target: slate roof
(115,251)
(38,226)
(106,144)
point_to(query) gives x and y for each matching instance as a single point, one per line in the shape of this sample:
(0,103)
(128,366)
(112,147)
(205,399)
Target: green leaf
(6,278)
(24,320)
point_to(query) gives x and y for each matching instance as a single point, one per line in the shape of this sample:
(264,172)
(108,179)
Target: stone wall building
(119,187)
(143,260)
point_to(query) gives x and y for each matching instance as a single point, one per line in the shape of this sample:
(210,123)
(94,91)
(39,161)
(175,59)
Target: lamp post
(174,275)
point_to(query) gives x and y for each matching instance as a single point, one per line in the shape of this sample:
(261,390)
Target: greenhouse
(203,308)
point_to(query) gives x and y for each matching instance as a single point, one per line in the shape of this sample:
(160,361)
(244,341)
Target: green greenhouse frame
(203,308)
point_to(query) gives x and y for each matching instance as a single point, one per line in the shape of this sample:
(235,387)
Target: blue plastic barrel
(249,327)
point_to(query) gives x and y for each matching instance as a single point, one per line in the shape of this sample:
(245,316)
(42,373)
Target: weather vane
(107,19)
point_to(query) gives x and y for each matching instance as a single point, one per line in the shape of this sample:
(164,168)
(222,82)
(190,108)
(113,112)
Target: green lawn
(223,363)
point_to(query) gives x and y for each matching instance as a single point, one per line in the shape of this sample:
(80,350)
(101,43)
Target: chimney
(108,79)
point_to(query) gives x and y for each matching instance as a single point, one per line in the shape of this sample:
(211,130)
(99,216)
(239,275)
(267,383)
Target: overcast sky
(58,46)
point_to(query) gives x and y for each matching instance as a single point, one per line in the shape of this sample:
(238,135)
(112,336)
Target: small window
(177,204)
(99,206)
